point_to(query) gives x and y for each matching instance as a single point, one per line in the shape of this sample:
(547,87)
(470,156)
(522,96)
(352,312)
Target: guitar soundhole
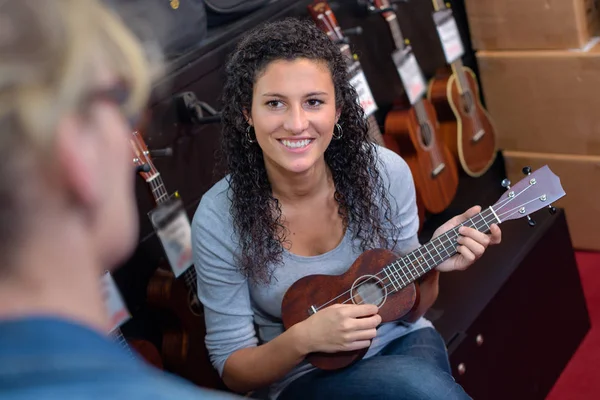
(195,305)
(369,289)
(426,135)
(467,102)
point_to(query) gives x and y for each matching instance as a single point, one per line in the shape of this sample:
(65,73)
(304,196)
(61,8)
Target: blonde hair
(49,51)
(51,54)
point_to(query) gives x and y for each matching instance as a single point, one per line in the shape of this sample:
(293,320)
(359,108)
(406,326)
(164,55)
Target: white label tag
(410,74)
(449,35)
(173,228)
(367,101)
(115,306)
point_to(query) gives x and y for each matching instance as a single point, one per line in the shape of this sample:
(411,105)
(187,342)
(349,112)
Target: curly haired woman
(306,193)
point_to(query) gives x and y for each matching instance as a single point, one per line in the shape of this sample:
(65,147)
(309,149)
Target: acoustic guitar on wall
(183,350)
(466,127)
(381,278)
(415,129)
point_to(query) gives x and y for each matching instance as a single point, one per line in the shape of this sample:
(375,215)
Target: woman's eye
(274,103)
(314,102)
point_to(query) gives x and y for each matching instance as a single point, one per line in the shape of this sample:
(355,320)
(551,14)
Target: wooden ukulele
(183,349)
(379,277)
(325,19)
(142,347)
(466,128)
(416,131)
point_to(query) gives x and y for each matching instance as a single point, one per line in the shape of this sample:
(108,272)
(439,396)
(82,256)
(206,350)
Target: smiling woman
(307,192)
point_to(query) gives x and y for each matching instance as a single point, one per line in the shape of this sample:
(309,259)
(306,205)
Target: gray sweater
(242,314)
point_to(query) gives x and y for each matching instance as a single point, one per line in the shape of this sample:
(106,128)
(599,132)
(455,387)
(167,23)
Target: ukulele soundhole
(369,289)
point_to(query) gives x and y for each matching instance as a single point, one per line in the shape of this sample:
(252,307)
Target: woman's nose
(296,120)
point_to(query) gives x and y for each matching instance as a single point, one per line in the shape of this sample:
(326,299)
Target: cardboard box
(580,178)
(531,24)
(544,101)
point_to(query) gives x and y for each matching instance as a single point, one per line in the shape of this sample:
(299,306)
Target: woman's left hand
(471,242)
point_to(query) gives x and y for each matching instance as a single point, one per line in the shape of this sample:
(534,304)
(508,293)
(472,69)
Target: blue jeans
(412,367)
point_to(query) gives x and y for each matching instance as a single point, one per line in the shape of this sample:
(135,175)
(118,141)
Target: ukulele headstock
(539,189)
(321,13)
(384,7)
(141,156)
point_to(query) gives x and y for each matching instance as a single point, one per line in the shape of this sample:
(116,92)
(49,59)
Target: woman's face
(294,113)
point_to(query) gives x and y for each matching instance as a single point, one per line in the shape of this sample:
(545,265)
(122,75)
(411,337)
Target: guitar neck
(411,267)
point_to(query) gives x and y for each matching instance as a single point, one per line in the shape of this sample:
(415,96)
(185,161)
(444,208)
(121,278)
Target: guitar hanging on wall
(416,129)
(183,349)
(381,278)
(325,19)
(467,129)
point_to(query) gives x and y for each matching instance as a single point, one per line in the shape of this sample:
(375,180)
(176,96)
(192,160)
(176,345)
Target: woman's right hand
(340,327)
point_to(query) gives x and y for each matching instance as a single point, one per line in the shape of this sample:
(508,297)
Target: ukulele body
(147,351)
(183,348)
(460,126)
(436,191)
(319,290)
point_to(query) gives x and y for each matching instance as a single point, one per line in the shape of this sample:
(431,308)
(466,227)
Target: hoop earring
(340,132)
(248,136)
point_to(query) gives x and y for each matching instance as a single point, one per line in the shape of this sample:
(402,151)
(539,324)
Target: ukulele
(325,19)
(381,278)
(183,349)
(416,129)
(468,129)
(144,348)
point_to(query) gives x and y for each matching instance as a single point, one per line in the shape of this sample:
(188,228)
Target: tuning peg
(552,209)
(527,170)
(166,152)
(374,10)
(357,30)
(142,168)
(530,221)
(506,183)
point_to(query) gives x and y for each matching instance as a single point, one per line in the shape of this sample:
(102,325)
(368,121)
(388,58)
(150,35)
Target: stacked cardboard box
(539,65)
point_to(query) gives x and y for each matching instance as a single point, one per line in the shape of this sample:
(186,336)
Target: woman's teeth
(296,144)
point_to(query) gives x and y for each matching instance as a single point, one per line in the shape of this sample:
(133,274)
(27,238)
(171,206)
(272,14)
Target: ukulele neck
(157,186)
(414,265)
(189,277)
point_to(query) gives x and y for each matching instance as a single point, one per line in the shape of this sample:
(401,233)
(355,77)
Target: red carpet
(581,377)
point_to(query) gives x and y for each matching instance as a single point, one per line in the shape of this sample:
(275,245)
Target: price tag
(359,81)
(449,35)
(117,311)
(173,228)
(410,74)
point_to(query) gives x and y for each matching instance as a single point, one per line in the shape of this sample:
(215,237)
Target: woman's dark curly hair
(360,191)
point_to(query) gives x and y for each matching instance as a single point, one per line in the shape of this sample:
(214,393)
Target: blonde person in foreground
(71,76)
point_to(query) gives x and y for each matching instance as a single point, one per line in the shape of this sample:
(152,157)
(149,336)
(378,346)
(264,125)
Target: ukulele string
(486,223)
(443,242)
(392,283)
(500,204)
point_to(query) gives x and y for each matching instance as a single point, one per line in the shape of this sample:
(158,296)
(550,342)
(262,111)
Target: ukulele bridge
(478,136)
(312,310)
(438,170)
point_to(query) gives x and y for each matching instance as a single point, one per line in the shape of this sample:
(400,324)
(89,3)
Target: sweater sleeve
(222,289)
(403,200)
